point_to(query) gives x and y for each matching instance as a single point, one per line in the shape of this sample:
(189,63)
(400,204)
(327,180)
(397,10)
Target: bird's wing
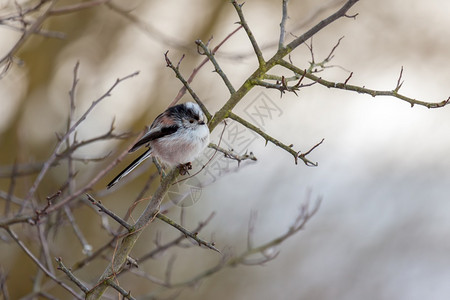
(154,134)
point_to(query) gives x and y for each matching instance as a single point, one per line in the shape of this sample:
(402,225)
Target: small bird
(176,137)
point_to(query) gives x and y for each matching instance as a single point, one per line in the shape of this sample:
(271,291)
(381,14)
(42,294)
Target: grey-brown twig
(186,84)
(364,90)
(69,274)
(40,265)
(187,233)
(232,155)
(217,68)
(109,213)
(268,138)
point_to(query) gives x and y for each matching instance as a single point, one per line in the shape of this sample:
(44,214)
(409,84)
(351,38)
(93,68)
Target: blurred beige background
(383,226)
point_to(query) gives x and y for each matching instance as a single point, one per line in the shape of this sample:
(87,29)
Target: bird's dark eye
(191,121)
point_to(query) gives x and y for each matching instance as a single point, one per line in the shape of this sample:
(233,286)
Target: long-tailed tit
(177,136)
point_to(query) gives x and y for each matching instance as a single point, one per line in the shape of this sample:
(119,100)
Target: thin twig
(274,141)
(243,22)
(232,155)
(69,274)
(54,155)
(76,7)
(182,91)
(187,233)
(109,213)
(123,292)
(39,264)
(362,90)
(162,248)
(186,85)
(217,68)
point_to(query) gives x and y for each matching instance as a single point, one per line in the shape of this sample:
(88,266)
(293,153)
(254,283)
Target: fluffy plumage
(177,136)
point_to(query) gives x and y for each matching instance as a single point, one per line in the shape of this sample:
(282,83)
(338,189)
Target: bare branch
(69,274)
(399,81)
(284,17)
(109,213)
(182,91)
(322,24)
(274,141)
(216,65)
(54,155)
(187,233)
(76,7)
(363,90)
(38,263)
(250,35)
(232,155)
(123,292)
(186,84)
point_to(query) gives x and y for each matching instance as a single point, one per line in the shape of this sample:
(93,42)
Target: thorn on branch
(330,56)
(200,50)
(348,78)
(187,233)
(444,103)
(399,81)
(351,16)
(179,62)
(109,213)
(232,155)
(303,155)
(209,41)
(69,274)
(43,211)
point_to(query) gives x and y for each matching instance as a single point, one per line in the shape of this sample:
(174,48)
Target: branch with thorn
(232,155)
(187,233)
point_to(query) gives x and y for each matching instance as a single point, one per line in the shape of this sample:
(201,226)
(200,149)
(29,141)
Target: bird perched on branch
(176,137)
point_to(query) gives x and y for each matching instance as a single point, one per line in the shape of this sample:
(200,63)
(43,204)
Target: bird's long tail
(130,168)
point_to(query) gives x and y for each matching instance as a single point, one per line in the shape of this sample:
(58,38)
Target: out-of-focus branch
(40,265)
(54,155)
(33,28)
(31,168)
(76,7)
(227,260)
(303,217)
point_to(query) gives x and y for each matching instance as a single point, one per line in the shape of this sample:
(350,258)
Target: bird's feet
(184,168)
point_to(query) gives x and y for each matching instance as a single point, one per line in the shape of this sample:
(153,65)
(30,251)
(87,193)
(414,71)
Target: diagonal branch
(250,35)
(260,72)
(54,155)
(213,60)
(268,138)
(319,26)
(187,233)
(39,264)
